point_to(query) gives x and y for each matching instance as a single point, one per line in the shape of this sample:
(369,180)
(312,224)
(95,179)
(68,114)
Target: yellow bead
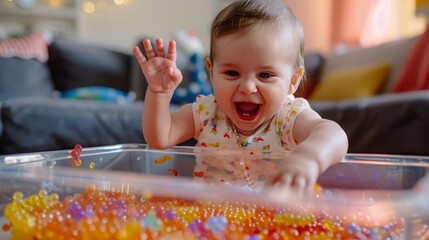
(53,198)
(78,162)
(33,199)
(42,193)
(18,196)
(92,165)
(147,195)
(317,187)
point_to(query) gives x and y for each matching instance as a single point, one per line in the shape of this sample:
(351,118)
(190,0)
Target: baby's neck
(247,133)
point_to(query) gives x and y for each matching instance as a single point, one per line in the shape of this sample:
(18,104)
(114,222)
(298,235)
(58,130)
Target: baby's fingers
(171,52)
(282,190)
(299,182)
(160,47)
(139,56)
(148,48)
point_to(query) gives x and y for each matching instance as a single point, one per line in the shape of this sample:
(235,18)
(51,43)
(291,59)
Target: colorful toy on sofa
(100,94)
(196,74)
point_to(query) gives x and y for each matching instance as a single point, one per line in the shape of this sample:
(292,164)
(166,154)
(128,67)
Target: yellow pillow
(351,83)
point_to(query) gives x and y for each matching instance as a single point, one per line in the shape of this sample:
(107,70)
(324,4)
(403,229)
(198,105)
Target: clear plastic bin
(135,192)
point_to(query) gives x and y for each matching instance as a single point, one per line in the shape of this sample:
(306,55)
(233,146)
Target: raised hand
(159,68)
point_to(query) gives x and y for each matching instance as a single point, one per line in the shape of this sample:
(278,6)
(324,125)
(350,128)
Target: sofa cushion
(23,72)
(74,64)
(351,83)
(24,78)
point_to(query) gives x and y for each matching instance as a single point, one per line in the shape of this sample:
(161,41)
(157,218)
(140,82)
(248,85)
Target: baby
(255,66)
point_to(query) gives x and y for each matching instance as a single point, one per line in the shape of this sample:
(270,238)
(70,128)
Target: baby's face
(251,74)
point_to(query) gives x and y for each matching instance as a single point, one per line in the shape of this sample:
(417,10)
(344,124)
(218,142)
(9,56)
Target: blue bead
(217,223)
(354,228)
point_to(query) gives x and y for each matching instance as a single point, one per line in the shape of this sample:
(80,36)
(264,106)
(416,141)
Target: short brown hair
(240,15)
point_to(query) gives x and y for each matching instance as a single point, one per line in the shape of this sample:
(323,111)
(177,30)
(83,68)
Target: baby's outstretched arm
(321,143)
(161,128)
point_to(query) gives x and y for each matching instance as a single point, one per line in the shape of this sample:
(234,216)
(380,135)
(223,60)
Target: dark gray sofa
(387,123)
(32,119)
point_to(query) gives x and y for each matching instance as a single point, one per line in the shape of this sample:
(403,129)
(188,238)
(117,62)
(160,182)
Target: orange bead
(6,227)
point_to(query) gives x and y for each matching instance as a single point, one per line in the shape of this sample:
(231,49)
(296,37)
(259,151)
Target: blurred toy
(195,75)
(99,93)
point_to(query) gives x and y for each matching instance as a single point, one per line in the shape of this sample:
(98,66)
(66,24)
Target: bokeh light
(89,7)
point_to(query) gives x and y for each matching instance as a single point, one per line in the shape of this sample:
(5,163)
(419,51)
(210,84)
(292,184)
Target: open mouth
(247,111)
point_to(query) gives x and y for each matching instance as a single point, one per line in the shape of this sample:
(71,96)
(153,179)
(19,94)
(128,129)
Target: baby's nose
(248,86)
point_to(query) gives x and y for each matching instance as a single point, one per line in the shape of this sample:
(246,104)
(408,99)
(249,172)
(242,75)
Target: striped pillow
(30,46)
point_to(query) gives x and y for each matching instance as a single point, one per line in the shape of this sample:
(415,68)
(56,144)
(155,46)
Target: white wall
(316,19)
(120,27)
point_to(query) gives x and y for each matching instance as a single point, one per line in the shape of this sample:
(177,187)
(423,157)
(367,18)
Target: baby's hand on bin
(159,68)
(296,176)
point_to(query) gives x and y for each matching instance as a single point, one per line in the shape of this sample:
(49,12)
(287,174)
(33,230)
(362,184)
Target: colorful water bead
(92,165)
(198,174)
(173,171)
(6,227)
(97,214)
(163,159)
(75,154)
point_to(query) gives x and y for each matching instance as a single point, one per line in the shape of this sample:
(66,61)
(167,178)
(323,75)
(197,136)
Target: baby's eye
(231,73)
(265,75)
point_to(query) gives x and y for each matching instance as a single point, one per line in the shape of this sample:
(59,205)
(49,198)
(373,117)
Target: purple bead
(88,212)
(76,211)
(197,227)
(254,237)
(170,214)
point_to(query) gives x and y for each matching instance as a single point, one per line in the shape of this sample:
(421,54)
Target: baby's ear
(209,66)
(295,80)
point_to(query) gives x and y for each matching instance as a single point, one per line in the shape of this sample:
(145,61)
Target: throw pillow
(23,71)
(415,74)
(26,47)
(74,64)
(352,83)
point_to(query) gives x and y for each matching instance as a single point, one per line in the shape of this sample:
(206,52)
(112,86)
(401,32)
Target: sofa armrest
(390,123)
(41,124)
(1,121)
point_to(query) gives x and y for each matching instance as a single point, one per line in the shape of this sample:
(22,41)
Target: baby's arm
(161,128)
(321,143)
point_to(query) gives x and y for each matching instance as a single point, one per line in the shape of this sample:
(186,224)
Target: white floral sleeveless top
(212,131)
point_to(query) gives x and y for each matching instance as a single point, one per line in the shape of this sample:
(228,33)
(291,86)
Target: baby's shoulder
(292,108)
(205,99)
(205,106)
(296,103)
(205,103)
